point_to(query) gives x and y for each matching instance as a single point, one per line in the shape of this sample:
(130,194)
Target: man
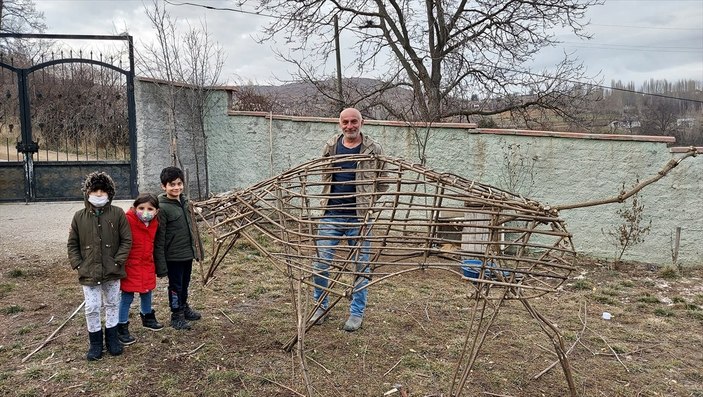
(347,198)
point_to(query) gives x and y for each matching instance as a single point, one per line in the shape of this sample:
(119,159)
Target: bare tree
(20,16)
(161,60)
(445,52)
(249,99)
(659,117)
(188,65)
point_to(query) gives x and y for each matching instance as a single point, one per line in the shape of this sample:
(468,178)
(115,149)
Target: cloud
(632,40)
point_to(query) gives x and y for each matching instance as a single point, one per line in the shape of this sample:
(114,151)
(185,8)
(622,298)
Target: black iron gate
(76,114)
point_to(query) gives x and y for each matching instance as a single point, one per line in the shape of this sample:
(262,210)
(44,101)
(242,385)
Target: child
(176,246)
(140,268)
(98,244)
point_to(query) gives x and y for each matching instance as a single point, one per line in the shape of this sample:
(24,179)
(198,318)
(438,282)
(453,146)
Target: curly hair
(99,181)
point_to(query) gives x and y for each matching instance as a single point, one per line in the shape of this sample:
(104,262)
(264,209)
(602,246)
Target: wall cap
(685,149)
(580,135)
(334,120)
(467,126)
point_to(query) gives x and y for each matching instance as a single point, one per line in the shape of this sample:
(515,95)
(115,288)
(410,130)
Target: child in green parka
(176,245)
(98,244)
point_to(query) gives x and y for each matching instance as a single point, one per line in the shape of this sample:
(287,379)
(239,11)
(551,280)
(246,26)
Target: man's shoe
(353,323)
(319,317)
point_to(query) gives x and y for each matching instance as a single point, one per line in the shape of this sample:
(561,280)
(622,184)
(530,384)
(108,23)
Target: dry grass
(412,333)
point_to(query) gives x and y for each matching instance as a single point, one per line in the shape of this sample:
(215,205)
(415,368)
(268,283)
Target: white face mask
(98,201)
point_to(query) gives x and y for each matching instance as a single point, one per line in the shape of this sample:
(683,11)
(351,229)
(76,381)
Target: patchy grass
(669,272)
(647,298)
(663,312)
(412,335)
(5,288)
(582,284)
(12,309)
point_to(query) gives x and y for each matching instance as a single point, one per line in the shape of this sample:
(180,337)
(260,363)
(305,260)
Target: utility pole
(340,92)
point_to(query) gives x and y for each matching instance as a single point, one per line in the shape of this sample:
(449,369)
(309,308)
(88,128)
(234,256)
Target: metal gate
(64,114)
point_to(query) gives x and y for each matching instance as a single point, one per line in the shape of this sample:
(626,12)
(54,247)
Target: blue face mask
(145,216)
(98,201)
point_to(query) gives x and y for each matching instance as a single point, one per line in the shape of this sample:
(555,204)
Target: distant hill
(320,99)
(649,112)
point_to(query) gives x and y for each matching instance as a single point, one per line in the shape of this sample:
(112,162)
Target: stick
(418,323)
(283,386)
(624,195)
(628,353)
(53,333)
(244,384)
(190,352)
(677,242)
(321,366)
(228,318)
(578,339)
(611,349)
(396,364)
(47,359)
(301,307)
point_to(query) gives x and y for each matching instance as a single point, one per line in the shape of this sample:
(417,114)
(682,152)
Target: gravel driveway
(39,229)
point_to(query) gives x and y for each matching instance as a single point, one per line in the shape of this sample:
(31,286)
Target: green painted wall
(245,148)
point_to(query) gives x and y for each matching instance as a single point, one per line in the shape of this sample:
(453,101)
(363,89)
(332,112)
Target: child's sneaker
(178,320)
(190,314)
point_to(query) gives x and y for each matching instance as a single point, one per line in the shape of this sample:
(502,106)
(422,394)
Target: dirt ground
(412,333)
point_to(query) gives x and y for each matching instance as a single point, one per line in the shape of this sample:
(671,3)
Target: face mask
(145,216)
(98,201)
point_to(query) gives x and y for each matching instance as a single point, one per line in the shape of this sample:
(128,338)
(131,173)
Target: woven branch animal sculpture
(500,245)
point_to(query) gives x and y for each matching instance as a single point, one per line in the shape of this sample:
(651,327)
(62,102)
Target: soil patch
(412,334)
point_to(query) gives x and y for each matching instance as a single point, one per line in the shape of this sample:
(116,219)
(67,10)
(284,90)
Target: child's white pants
(107,293)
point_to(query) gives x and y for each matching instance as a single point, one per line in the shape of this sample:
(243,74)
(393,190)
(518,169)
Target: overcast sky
(633,40)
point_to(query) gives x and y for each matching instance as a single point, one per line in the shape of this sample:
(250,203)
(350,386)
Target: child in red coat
(140,267)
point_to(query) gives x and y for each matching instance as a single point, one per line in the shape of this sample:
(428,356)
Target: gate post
(26,145)
(132,122)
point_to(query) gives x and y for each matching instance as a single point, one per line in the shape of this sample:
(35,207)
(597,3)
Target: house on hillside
(687,122)
(629,125)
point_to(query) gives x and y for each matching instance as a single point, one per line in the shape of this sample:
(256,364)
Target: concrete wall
(154,127)
(244,148)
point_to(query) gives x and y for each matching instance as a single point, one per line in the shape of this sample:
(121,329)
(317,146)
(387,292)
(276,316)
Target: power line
(645,27)
(596,85)
(241,11)
(645,93)
(255,13)
(602,46)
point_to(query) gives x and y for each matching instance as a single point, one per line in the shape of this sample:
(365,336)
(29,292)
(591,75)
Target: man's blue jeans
(126,301)
(334,228)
